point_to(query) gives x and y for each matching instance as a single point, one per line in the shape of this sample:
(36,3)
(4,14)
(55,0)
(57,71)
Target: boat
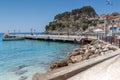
(8,37)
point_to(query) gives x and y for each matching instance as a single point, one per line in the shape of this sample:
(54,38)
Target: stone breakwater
(94,49)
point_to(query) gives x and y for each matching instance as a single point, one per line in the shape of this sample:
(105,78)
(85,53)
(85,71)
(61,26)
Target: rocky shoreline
(94,49)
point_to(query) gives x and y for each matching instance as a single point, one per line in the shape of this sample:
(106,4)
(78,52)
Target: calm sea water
(35,55)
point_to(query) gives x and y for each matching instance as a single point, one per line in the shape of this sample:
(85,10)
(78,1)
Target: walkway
(107,70)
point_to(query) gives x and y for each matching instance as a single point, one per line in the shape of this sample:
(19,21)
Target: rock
(110,51)
(86,56)
(69,61)
(99,46)
(100,50)
(76,50)
(86,51)
(94,55)
(108,45)
(105,49)
(23,78)
(102,53)
(18,68)
(37,76)
(93,48)
(92,42)
(112,48)
(96,51)
(20,72)
(76,58)
(81,52)
(58,64)
(74,54)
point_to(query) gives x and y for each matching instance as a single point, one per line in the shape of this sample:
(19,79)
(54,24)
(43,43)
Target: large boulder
(58,64)
(76,58)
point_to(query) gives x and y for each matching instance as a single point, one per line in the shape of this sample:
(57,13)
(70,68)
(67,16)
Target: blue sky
(26,14)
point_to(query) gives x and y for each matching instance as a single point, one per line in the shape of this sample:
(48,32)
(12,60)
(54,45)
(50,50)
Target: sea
(22,59)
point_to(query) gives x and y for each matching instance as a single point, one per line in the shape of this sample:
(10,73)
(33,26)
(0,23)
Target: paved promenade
(107,70)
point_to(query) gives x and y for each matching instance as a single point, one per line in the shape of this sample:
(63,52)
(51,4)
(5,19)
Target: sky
(22,15)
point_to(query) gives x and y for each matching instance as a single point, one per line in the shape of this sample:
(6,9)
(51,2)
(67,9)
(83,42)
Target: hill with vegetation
(71,22)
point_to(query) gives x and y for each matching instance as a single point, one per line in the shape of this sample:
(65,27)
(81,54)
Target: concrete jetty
(60,38)
(65,38)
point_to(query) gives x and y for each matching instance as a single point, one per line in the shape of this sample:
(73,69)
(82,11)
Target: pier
(61,38)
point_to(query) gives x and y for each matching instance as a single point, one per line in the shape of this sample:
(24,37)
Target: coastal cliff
(75,21)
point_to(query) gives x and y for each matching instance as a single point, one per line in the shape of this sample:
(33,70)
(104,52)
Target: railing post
(119,43)
(111,40)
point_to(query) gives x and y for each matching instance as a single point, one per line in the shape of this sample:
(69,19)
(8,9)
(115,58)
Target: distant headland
(76,21)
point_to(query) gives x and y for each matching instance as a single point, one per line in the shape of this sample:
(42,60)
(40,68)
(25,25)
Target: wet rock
(58,64)
(44,63)
(20,72)
(18,68)
(37,76)
(23,78)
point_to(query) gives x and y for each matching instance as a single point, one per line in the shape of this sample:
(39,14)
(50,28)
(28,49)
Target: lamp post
(19,31)
(34,31)
(31,31)
(108,3)
(112,27)
(8,31)
(14,32)
(105,28)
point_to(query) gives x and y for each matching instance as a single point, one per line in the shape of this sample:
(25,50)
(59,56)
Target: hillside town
(111,24)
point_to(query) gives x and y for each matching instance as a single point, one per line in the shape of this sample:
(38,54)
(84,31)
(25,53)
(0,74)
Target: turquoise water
(35,55)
